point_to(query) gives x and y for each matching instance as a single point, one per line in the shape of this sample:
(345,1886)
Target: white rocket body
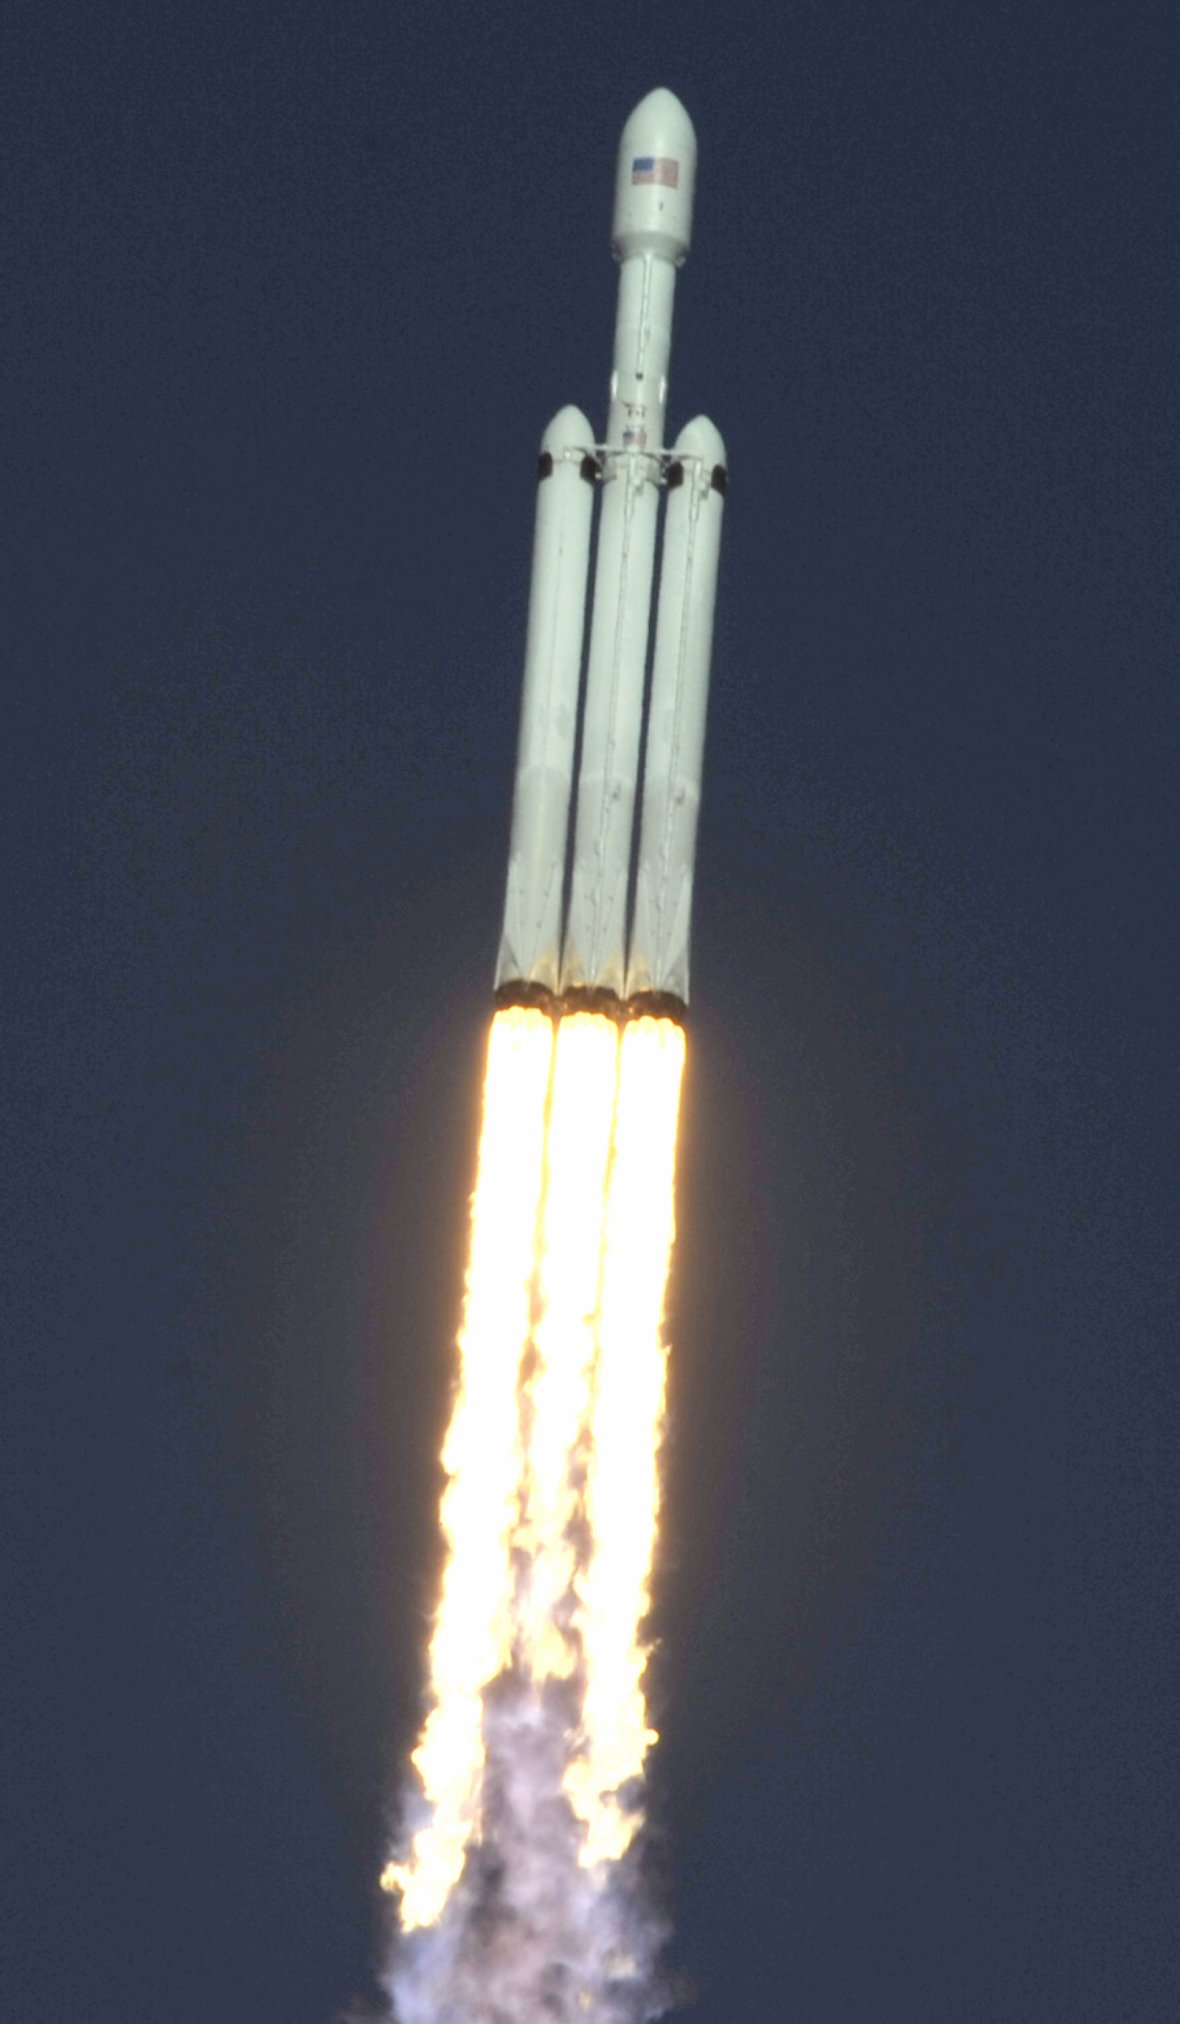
(658,959)
(531,945)
(652,230)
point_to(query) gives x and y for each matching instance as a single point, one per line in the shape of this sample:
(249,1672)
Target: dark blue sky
(290,294)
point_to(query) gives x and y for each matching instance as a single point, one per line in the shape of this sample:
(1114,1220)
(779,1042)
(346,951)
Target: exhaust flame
(472,1639)
(578,1149)
(623,1488)
(531,1758)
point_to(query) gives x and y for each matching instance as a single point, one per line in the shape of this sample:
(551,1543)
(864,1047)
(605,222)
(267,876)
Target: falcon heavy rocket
(619,942)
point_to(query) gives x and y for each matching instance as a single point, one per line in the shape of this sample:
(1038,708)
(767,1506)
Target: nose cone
(655,180)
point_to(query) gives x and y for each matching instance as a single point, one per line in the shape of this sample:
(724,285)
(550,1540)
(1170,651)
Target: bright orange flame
(573,1209)
(622,1487)
(473,1630)
(578,1148)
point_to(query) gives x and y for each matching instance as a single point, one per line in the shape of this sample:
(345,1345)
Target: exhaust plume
(519,1874)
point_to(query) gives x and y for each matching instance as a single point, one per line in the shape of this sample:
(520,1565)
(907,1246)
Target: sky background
(290,294)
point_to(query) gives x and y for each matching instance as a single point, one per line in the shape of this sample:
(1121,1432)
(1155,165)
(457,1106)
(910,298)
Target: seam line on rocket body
(694,515)
(557,868)
(609,795)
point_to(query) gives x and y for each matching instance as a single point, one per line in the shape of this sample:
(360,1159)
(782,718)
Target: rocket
(603,922)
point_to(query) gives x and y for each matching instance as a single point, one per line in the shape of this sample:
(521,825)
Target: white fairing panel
(655,180)
(530,949)
(676,724)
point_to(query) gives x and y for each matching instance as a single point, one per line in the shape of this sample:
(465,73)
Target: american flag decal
(656,169)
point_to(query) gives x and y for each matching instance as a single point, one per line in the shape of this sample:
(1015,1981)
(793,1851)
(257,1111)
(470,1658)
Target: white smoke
(531,1936)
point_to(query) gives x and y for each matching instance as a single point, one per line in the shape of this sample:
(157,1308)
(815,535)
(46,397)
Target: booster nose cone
(701,440)
(655,180)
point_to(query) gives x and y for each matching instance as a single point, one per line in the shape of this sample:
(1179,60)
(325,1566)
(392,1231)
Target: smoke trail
(530,1933)
(522,1893)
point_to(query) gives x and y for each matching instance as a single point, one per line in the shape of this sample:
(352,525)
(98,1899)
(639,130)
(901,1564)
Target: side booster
(589,958)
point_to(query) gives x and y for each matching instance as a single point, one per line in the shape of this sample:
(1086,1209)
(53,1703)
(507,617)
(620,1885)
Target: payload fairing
(587,957)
